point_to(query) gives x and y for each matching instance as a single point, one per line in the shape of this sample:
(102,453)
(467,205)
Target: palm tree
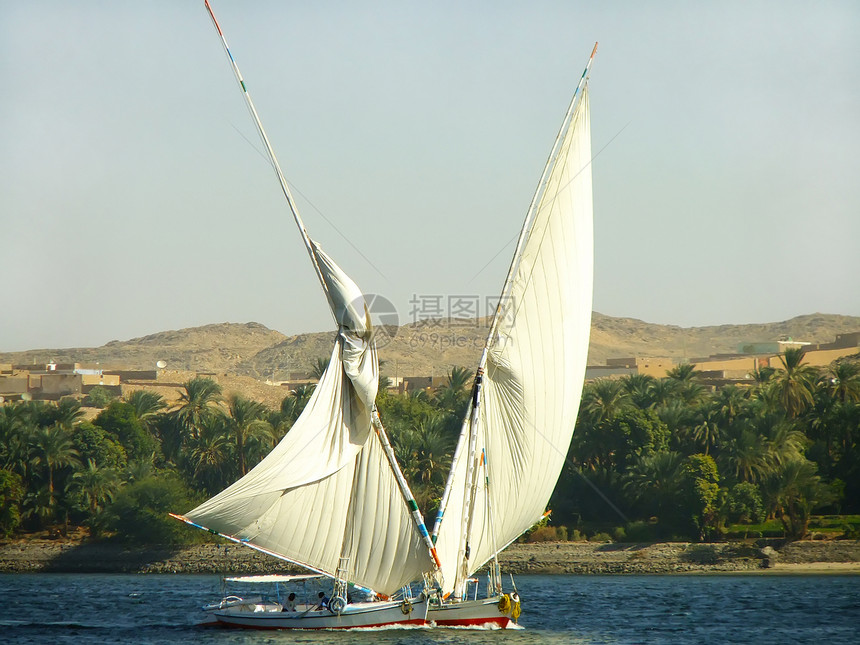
(319,367)
(209,457)
(683,373)
(843,379)
(708,432)
(762,375)
(138,470)
(15,431)
(655,481)
(603,399)
(454,394)
(663,391)
(794,383)
(729,402)
(424,453)
(39,505)
(794,491)
(147,405)
(419,395)
(639,387)
(197,404)
(246,418)
(68,412)
(52,447)
(302,395)
(784,441)
(679,418)
(96,485)
(686,378)
(744,455)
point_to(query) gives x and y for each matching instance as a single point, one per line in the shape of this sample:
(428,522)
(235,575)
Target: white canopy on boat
(273,578)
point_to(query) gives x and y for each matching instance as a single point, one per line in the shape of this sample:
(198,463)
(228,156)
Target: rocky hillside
(250,349)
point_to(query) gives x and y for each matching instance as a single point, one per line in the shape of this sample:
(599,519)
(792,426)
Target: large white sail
(327,490)
(534,370)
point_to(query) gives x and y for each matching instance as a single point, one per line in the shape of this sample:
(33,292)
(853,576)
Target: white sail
(327,490)
(534,370)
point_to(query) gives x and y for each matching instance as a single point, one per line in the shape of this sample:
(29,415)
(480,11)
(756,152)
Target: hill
(430,347)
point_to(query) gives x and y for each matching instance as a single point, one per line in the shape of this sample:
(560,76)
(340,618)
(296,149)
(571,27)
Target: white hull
(469,613)
(362,614)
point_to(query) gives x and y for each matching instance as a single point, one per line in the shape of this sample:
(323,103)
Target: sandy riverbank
(44,555)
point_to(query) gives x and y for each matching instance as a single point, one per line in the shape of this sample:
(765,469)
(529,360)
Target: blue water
(105,609)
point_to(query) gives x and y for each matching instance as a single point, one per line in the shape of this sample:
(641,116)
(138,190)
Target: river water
(760,609)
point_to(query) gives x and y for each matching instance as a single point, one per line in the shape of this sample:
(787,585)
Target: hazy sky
(134,198)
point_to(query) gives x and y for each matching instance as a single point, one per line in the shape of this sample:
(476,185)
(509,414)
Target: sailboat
(527,388)
(330,496)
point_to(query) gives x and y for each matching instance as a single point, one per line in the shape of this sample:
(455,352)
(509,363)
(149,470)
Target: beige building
(722,368)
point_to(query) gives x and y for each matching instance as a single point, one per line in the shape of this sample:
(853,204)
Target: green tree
(210,456)
(301,395)
(15,430)
(843,381)
(744,503)
(147,405)
(120,420)
(11,496)
(139,512)
(708,433)
(246,419)
(686,378)
(614,443)
(664,392)
(795,490)
(454,394)
(98,397)
(701,490)
(653,483)
(793,384)
(52,448)
(197,404)
(424,452)
(603,399)
(93,487)
(93,443)
(68,412)
(640,389)
(744,454)
(319,367)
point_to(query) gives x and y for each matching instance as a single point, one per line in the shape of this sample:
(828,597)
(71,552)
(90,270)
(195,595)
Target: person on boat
(290,605)
(323,602)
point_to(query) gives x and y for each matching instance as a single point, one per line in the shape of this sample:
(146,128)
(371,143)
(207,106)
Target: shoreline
(839,557)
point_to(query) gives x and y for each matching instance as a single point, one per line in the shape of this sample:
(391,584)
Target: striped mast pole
(406,493)
(417,517)
(501,311)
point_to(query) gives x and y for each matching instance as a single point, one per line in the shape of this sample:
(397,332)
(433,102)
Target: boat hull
(365,614)
(470,613)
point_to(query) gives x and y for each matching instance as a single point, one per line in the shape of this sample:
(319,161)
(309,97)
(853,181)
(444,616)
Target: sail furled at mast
(534,371)
(327,491)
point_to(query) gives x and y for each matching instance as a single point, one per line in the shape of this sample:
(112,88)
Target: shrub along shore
(74,556)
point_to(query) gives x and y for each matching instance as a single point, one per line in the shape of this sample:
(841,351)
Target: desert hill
(429,347)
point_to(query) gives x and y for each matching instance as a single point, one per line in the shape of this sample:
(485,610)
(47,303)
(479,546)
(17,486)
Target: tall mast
(309,245)
(501,311)
(403,486)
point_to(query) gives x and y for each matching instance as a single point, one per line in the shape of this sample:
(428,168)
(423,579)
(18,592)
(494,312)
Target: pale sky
(726,189)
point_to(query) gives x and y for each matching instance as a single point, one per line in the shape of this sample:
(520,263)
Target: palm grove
(650,459)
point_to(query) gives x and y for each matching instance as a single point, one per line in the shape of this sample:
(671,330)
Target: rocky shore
(44,556)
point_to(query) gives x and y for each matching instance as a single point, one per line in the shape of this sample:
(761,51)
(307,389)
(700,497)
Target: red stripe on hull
(501,621)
